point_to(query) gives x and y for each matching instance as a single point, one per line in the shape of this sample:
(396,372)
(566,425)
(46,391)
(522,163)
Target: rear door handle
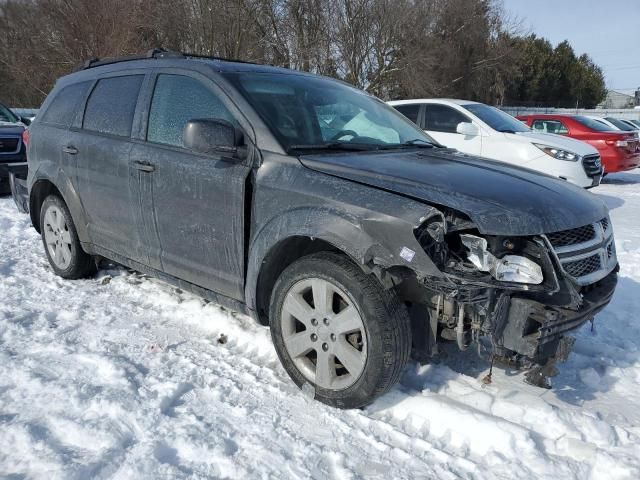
(70,150)
(144,166)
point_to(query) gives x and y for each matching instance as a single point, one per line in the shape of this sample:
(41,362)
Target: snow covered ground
(122,376)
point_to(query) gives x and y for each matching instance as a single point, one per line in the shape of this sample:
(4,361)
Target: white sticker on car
(407,254)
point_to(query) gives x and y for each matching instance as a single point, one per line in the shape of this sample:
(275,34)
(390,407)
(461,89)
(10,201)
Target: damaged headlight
(510,268)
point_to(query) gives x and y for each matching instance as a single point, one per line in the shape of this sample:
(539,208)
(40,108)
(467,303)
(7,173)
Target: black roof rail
(221,59)
(153,53)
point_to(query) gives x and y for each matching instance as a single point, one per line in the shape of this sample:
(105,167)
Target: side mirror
(25,120)
(467,129)
(213,136)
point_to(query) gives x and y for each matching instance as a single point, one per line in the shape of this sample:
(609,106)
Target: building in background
(615,100)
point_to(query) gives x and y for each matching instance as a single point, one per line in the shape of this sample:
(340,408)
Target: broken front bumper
(536,330)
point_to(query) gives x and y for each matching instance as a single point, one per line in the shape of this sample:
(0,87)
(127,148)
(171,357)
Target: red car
(619,150)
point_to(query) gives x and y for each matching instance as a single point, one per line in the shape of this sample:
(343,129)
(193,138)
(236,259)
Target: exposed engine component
(512,291)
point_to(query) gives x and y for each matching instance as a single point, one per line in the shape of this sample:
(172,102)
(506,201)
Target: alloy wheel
(57,237)
(324,334)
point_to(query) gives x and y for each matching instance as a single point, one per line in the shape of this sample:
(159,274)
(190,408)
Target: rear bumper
(620,162)
(14,177)
(535,330)
(5,160)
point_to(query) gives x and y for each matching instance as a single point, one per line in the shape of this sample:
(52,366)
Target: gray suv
(318,210)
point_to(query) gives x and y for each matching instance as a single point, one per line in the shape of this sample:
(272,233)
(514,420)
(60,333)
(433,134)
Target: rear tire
(324,307)
(61,242)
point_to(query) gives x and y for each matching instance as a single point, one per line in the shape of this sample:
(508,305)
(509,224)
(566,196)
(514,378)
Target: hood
(11,128)
(500,199)
(557,141)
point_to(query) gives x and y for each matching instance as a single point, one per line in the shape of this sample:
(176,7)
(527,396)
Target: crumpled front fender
(376,241)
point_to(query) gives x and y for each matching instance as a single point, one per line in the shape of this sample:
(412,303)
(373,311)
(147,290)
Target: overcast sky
(607,30)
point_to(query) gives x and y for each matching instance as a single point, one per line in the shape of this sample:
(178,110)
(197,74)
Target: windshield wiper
(416,142)
(350,147)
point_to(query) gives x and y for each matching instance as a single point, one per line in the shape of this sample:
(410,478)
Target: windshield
(496,119)
(621,125)
(314,112)
(592,124)
(7,115)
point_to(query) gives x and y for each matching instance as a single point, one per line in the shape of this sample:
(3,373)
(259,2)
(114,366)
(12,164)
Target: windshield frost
(307,111)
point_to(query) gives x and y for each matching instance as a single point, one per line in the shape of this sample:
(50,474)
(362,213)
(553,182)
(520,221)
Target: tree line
(391,48)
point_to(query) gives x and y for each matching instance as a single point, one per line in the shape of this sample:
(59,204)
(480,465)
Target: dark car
(619,150)
(12,148)
(318,210)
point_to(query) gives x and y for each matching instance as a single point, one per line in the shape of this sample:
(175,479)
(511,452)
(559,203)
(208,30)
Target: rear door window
(177,99)
(64,106)
(550,126)
(112,104)
(441,118)
(411,111)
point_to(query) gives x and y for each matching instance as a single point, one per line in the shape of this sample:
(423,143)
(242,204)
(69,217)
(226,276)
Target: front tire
(61,242)
(338,330)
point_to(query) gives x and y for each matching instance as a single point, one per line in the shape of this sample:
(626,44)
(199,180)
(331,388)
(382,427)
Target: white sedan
(480,129)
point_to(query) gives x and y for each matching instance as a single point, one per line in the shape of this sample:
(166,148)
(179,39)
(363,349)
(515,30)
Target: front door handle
(71,150)
(144,166)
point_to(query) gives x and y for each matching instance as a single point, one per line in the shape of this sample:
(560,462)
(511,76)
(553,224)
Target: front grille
(586,266)
(592,165)
(610,250)
(586,253)
(572,237)
(9,144)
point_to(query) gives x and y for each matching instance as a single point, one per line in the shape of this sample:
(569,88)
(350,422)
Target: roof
(548,115)
(159,56)
(431,100)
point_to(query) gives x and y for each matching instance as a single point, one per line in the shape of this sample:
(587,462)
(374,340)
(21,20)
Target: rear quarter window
(411,111)
(112,104)
(549,126)
(64,106)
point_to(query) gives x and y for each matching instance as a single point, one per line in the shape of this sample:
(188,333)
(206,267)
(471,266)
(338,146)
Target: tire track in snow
(196,408)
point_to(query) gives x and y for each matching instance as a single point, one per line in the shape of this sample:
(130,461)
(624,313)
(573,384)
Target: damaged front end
(514,297)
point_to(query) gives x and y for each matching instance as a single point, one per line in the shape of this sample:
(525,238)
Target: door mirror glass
(467,129)
(211,136)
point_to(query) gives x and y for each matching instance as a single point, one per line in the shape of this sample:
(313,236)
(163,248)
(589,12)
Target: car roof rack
(153,53)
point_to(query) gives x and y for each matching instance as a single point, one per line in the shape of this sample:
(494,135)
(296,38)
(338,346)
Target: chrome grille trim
(586,254)
(592,165)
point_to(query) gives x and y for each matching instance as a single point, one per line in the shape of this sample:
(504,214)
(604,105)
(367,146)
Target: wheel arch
(296,234)
(44,186)
(279,257)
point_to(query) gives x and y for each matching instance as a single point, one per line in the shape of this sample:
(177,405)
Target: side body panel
(371,226)
(191,206)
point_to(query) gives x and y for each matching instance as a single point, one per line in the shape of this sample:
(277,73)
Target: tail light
(25,141)
(617,143)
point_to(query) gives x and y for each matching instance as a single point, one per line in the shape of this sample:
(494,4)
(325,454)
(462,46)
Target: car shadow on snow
(621,179)
(602,355)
